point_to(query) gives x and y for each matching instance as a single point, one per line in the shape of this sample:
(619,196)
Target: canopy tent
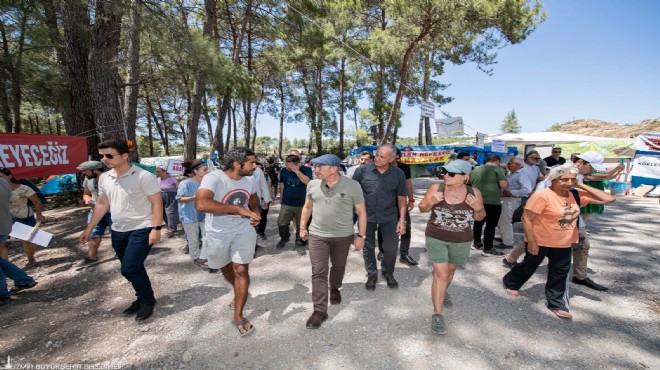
(545,138)
(60,184)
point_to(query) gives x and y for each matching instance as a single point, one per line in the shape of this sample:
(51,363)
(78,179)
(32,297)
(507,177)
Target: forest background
(182,77)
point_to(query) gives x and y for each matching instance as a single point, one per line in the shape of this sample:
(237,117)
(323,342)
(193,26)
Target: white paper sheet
(22,231)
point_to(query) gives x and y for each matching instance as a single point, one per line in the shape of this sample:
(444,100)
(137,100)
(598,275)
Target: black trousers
(261,228)
(389,245)
(492,218)
(556,285)
(404,245)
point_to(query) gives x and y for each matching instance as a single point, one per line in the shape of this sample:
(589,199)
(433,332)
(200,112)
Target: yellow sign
(424,156)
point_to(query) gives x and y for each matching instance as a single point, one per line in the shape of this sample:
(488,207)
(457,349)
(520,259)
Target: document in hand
(25,232)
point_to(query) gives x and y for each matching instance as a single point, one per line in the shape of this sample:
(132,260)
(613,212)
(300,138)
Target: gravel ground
(74,317)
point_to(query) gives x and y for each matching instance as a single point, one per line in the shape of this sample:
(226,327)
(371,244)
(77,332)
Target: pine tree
(510,124)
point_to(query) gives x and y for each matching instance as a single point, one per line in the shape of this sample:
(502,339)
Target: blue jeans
(132,248)
(9,270)
(103,224)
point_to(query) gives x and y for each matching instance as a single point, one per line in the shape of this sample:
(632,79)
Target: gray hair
(531,152)
(392,148)
(518,160)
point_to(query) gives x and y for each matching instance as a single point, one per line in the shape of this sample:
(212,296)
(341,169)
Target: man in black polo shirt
(384,188)
(555,158)
(404,247)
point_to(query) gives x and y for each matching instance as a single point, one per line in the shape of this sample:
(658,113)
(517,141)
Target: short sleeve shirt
(486,178)
(167,185)
(381,191)
(332,208)
(228,191)
(91,186)
(551,161)
(187,212)
(555,225)
(128,197)
(406,170)
(18,204)
(294,189)
(532,173)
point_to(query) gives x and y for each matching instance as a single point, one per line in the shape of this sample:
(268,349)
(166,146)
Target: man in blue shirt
(519,187)
(293,187)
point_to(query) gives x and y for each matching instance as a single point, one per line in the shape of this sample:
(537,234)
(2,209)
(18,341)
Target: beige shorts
(222,249)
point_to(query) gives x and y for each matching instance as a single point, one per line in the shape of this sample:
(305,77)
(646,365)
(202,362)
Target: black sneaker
(133,308)
(17,288)
(281,244)
(263,236)
(213,271)
(508,264)
(491,252)
(478,246)
(391,281)
(438,324)
(504,246)
(371,283)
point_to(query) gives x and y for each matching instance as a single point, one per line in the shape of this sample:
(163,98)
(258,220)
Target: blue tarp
(60,184)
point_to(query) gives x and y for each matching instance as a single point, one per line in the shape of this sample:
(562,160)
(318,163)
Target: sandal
(562,314)
(242,324)
(231,306)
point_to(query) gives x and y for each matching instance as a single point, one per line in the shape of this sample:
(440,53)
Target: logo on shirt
(570,215)
(455,222)
(236,197)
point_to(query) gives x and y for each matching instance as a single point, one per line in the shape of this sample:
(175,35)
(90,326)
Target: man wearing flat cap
(92,170)
(330,201)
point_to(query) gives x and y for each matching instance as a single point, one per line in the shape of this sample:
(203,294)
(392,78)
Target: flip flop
(231,307)
(242,323)
(562,314)
(511,292)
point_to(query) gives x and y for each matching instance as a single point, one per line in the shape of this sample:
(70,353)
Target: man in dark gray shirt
(384,188)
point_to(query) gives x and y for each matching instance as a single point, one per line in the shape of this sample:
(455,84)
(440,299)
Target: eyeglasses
(556,151)
(108,156)
(535,158)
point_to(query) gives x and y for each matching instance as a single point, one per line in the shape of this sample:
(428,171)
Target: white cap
(595,159)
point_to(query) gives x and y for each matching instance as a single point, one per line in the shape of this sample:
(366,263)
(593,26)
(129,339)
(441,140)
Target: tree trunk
(402,84)
(233,116)
(133,73)
(151,134)
(279,149)
(229,121)
(223,111)
(163,129)
(207,118)
(76,34)
(103,70)
(342,72)
(51,22)
(318,133)
(190,144)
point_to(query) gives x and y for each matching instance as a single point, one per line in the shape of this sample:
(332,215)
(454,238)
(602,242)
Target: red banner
(41,155)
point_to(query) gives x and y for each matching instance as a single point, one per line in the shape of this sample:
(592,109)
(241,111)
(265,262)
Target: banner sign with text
(480,140)
(410,156)
(498,146)
(175,167)
(648,142)
(449,127)
(428,110)
(27,155)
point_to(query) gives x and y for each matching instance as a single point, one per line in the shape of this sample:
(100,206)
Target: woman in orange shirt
(550,224)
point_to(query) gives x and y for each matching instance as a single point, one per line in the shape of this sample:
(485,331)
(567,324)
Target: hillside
(594,127)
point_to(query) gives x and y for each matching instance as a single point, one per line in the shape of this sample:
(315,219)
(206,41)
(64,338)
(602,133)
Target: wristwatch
(156,227)
(403,221)
(361,236)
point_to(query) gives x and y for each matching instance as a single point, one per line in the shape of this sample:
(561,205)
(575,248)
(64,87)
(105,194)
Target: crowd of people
(224,214)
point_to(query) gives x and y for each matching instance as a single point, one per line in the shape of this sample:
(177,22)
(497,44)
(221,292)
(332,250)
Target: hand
(506,193)
(154,236)
(533,249)
(411,205)
(620,167)
(304,234)
(41,218)
(84,237)
(254,217)
(265,205)
(358,243)
(438,197)
(400,228)
(472,201)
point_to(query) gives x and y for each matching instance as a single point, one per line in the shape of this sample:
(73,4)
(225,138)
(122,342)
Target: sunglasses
(108,156)
(450,174)
(556,151)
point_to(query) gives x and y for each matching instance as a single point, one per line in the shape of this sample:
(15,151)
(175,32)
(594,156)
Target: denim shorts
(99,229)
(30,220)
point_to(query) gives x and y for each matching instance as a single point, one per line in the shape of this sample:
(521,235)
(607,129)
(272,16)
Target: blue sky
(589,59)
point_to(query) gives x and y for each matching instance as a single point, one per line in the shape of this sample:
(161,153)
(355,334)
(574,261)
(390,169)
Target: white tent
(544,138)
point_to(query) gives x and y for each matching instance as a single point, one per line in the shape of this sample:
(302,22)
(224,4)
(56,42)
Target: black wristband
(156,227)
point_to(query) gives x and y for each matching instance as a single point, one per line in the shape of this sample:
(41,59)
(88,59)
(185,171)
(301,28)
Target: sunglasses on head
(108,156)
